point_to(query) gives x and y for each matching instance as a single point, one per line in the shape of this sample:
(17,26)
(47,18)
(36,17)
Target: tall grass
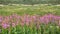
(40,10)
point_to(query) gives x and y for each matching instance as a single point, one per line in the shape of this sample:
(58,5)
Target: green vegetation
(25,17)
(40,10)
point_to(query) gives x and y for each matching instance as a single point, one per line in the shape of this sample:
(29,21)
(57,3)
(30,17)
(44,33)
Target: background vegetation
(32,2)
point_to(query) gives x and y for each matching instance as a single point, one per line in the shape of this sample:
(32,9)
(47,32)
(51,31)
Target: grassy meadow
(40,10)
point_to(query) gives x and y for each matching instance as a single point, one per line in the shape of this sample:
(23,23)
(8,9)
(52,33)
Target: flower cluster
(14,19)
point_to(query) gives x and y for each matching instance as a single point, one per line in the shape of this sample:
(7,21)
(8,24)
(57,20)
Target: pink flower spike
(13,24)
(1,18)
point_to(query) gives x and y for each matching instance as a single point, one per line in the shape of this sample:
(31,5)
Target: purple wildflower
(5,25)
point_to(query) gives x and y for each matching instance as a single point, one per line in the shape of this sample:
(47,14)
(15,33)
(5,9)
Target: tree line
(32,2)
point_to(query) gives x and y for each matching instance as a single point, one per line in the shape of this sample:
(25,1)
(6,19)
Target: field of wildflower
(30,20)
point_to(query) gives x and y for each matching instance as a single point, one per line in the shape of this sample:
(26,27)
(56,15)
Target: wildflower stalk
(23,30)
(9,30)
